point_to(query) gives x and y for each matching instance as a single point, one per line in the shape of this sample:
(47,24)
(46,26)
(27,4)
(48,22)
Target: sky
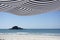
(49,20)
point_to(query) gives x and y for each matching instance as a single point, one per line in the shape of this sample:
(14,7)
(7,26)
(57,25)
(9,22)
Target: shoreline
(25,33)
(27,37)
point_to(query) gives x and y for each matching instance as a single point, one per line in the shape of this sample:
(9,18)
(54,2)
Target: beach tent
(29,7)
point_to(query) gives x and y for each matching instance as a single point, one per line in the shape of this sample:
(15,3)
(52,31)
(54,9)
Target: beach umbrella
(29,7)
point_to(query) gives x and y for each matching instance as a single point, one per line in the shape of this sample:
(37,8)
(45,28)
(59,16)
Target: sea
(52,32)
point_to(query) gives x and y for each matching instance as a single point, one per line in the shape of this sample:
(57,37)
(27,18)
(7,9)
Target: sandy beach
(27,37)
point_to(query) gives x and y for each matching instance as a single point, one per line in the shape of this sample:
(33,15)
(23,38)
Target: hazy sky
(46,20)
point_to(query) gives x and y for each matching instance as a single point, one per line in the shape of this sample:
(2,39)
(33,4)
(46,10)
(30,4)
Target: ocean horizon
(52,32)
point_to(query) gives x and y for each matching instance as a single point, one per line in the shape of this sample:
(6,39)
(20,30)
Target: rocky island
(16,27)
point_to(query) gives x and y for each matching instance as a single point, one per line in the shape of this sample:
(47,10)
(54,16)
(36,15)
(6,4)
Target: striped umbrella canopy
(29,7)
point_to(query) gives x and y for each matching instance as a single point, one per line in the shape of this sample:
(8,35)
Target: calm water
(33,31)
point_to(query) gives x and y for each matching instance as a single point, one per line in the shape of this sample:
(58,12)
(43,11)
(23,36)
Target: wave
(17,33)
(48,34)
(26,33)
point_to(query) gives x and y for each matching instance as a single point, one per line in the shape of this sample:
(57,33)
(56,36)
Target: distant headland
(16,27)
